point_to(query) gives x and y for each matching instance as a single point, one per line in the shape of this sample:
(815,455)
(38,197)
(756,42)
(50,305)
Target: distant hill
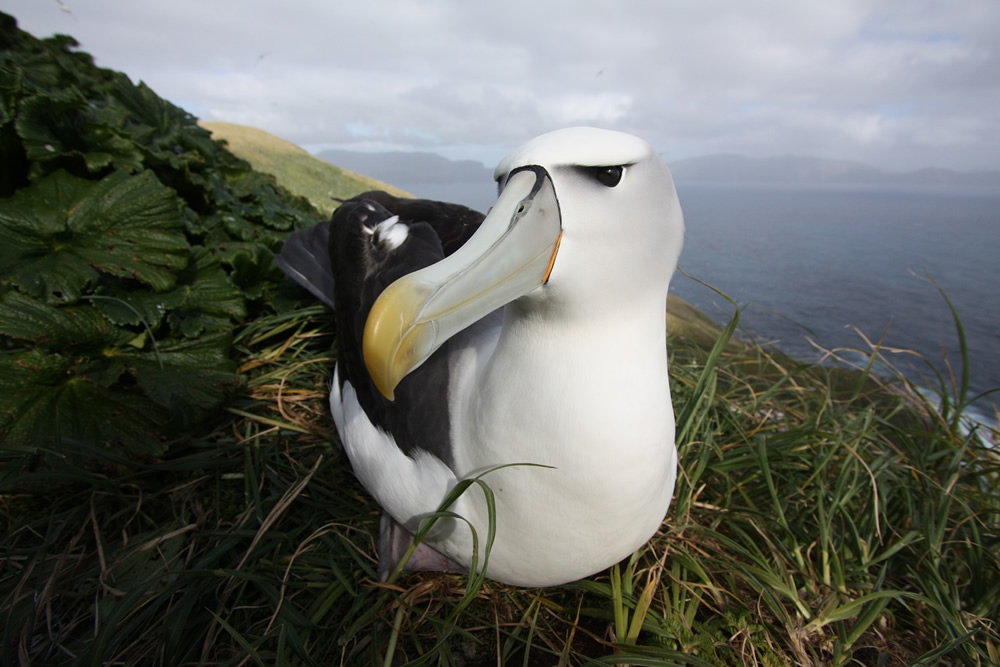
(798,170)
(293,167)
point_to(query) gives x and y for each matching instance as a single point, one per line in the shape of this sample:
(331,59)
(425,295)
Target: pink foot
(394,540)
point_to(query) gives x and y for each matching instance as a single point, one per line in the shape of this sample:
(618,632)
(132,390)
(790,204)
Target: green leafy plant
(131,247)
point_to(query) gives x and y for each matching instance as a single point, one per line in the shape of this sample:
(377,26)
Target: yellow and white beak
(511,254)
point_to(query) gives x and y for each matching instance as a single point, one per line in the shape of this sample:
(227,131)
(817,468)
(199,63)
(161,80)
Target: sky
(899,84)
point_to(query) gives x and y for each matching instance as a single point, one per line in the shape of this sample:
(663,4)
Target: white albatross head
(587,221)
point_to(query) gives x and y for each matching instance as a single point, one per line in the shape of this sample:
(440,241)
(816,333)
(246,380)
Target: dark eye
(608,176)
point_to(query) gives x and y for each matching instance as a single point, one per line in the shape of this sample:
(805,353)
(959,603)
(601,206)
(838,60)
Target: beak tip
(379,370)
(389,391)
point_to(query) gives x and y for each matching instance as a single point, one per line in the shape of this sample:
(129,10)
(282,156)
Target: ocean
(830,264)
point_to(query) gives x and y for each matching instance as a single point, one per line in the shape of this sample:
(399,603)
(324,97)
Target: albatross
(527,348)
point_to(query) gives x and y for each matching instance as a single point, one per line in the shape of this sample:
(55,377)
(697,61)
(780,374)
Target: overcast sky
(899,84)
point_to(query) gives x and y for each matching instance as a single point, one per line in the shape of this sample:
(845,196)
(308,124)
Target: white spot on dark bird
(390,233)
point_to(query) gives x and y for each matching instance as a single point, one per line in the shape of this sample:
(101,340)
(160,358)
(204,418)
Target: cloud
(898,84)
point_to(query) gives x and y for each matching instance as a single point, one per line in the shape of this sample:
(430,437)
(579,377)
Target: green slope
(293,167)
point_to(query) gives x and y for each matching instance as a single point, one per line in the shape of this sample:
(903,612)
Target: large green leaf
(43,404)
(64,128)
(211,302)
(203,299)
(81,367)
(32,321)
(58,234)
(34,249)
(190,377)
(165,132)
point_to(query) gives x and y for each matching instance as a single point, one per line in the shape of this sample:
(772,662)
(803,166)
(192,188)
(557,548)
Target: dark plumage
(346,264)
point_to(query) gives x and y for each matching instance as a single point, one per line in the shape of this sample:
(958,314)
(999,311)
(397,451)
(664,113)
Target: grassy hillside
(293,167)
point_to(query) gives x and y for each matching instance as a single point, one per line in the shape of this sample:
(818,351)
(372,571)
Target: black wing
(347,263)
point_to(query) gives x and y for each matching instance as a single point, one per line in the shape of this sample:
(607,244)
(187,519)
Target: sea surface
(828,266)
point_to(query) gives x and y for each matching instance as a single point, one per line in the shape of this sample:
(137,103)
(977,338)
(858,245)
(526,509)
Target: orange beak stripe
(552,260)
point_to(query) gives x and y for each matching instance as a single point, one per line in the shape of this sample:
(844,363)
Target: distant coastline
(420,172)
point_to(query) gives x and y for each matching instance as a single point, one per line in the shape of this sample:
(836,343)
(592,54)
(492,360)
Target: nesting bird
(474,346)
